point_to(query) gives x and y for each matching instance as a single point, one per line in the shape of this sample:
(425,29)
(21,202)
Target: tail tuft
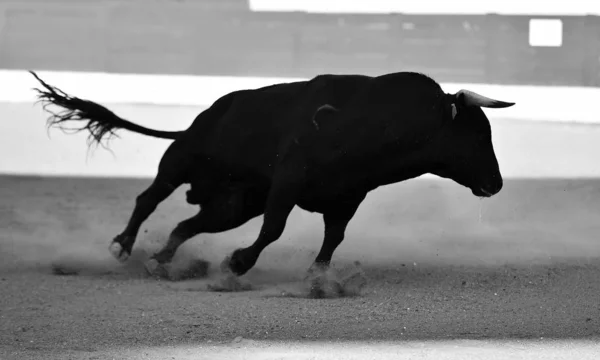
(98,120)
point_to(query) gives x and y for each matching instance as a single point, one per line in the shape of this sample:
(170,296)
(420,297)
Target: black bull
(322,145)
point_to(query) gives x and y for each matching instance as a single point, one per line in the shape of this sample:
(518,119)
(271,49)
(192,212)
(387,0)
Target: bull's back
(258,125)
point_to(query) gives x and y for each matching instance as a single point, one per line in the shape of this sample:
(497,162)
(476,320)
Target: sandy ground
(508,273)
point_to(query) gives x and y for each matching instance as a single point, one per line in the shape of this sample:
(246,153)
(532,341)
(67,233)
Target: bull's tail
(100,122)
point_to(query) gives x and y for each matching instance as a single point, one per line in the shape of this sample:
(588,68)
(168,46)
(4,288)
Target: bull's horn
(471,98)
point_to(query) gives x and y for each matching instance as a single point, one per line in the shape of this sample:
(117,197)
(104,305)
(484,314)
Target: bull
(321,144)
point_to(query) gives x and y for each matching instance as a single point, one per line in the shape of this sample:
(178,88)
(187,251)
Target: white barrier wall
(548,133)
(533,103)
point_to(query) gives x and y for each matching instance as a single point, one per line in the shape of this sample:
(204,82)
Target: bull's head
(465,150)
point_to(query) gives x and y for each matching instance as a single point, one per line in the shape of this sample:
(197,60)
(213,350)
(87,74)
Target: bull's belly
(331,193)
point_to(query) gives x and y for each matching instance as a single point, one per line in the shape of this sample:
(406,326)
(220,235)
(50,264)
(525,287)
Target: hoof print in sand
(326,284)
(330,284)
(229,283)
(193,269)
(64,270)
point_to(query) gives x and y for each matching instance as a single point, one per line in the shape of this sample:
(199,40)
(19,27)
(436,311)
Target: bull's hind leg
(172,172)
(224,211)
(145,204)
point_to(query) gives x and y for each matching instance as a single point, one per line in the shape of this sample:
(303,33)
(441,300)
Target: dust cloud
(64,226)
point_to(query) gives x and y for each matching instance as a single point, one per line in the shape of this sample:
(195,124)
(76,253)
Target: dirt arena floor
(439,264)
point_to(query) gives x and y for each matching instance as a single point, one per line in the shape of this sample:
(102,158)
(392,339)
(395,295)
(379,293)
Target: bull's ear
(322,112)
(326,108)
(470,98)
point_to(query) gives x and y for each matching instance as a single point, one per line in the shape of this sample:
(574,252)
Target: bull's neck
(394,169)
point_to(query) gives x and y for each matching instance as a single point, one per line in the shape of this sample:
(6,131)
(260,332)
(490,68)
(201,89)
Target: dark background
(223,37)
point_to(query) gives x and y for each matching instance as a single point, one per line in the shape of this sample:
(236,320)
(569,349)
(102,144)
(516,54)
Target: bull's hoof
(239,262)
(326,282)
(315,269)
(322,286)
(118,251)
(156,269)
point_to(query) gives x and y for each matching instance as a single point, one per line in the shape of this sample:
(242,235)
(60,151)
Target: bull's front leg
(336,218)
(280,202)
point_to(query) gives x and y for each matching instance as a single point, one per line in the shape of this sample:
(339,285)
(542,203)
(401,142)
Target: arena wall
(227,39)
(552,132)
